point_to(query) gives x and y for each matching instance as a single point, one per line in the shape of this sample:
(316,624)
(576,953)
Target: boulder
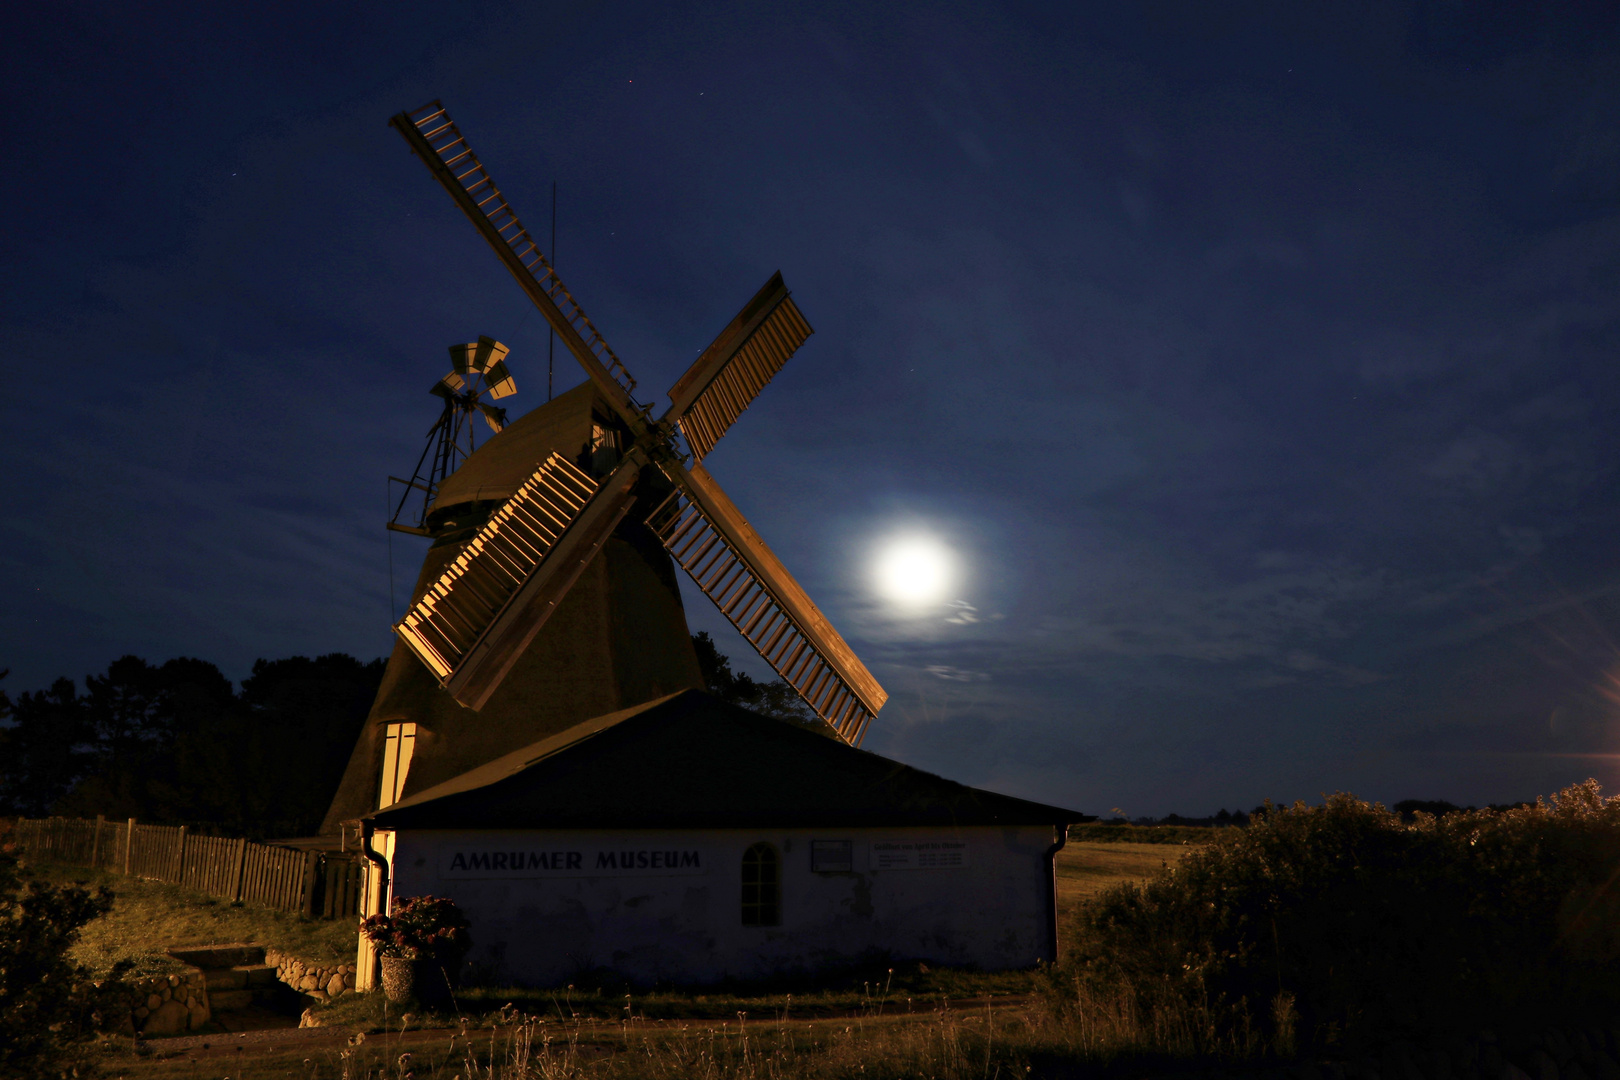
(334,985)
(154,1002)
(199,1015)
(309,982)
(310,1018)
(170,1019)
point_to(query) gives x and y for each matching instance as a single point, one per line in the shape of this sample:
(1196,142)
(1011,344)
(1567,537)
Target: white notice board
(918,854)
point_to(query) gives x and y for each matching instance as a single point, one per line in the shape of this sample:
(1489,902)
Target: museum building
(687,840)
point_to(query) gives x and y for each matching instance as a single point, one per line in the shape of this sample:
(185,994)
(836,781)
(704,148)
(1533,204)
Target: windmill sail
(489,659)
(470,625)
(712,541)
(434,138)
(731,372)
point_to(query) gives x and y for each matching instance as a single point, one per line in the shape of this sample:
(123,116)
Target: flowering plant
(421,928)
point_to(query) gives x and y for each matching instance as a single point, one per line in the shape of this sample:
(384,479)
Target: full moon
(914,570)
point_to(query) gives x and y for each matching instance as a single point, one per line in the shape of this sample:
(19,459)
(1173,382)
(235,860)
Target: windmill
(471,625)
(477,369)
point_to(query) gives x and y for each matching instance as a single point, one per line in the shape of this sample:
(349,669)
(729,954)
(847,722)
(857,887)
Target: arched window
(761,886)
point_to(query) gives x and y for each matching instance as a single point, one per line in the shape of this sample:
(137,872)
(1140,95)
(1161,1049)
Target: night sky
(1258,369)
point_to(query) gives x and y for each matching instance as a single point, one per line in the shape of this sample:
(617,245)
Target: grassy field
(149,916)
(1086,869)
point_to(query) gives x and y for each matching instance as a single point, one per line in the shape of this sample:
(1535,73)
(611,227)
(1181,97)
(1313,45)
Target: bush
(421,928)
(46,1000)
(1341,924)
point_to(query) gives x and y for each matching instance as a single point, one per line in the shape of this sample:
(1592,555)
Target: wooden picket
(265,875)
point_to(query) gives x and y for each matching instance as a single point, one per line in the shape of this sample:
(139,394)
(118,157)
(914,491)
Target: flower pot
(398,978)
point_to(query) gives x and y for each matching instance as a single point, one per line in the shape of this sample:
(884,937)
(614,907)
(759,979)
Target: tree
(305,718)
(137,713)
(1410,808)
(775,698)
(176,743)
(48,748)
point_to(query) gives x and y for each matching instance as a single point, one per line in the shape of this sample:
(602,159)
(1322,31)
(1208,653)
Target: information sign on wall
(918,854)
(831,857)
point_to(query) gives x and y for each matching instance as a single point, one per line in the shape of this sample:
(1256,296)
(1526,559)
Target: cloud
(956,674)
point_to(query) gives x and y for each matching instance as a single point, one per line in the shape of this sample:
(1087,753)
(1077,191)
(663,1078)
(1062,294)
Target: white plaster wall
(686,927)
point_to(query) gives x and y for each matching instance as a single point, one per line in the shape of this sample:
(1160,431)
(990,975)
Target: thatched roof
(619,638)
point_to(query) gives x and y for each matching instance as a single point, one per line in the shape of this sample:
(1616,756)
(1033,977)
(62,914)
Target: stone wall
(155,1005)
(323,982)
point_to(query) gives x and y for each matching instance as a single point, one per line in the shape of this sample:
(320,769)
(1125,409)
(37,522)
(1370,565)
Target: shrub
(46,1001)
(1342,923)
(420,928)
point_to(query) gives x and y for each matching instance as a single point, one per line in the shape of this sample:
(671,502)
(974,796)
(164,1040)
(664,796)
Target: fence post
(129,843)
(238,869)
(309,883)
(95,842)
(180,858)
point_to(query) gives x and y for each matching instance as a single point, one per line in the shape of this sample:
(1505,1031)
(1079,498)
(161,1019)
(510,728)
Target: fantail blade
(498,381)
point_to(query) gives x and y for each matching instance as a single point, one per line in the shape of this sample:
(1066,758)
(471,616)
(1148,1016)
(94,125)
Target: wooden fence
(313,883)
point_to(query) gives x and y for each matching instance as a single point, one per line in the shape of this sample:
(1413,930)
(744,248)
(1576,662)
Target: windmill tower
(549,595)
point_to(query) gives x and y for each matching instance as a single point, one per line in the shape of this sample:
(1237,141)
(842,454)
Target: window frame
(399,745)
(761,897)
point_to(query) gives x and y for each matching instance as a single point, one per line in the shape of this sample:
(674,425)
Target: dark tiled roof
(692,761)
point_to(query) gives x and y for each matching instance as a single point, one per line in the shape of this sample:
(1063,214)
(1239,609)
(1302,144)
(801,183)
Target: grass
(149,916)
(943,1040)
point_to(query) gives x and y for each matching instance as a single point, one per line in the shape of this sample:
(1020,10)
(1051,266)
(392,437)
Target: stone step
(240,977)
(227,1000)
(231,955)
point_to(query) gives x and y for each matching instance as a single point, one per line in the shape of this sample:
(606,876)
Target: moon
(914,570)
